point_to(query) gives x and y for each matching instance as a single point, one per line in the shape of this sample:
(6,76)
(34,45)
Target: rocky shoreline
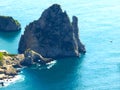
(10,64)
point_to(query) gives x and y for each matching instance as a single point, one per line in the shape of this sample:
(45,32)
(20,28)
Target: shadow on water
(9,35)
(60,77)
(9,41)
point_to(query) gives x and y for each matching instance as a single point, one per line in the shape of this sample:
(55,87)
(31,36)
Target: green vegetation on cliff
(1,58)
(4,16)
(16,22)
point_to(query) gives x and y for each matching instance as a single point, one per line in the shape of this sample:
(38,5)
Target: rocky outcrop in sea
(31,57)
(53,35)
(7,23)
(10,64)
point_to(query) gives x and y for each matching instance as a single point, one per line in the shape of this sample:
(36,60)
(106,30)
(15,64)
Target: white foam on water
(17,78)
(51,64)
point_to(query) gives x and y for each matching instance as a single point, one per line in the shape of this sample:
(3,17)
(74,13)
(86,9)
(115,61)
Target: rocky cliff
(9,63)
(9,24)
(53,35)
(31,57)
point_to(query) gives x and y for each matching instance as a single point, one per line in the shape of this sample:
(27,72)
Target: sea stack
(53,35)
(7,23)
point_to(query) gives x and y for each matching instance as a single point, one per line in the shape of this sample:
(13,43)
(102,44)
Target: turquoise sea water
(99,24)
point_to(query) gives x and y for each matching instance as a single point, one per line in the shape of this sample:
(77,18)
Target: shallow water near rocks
(12,81)
(99,24)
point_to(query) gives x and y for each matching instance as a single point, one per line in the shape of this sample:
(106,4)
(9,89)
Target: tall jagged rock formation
(52,35)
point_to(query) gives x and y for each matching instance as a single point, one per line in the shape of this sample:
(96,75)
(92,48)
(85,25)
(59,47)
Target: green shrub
(16,22)
(1,58)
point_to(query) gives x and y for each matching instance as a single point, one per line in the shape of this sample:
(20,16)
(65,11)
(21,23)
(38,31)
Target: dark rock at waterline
(32,57)
(53,35)
(7,23)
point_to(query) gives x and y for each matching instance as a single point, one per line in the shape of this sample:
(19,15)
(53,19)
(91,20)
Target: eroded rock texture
(7,23)
(52,35)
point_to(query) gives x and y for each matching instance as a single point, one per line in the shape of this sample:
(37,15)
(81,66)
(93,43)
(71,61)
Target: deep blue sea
(99,24)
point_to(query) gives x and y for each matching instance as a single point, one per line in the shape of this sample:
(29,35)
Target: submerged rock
(7,23)
(53,35)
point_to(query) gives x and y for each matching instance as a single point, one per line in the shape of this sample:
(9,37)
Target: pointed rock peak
(55,7)
(75,19)
(52,11)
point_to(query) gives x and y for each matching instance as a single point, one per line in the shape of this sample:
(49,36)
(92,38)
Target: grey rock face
(9,24)
(32,57)
(52,35)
